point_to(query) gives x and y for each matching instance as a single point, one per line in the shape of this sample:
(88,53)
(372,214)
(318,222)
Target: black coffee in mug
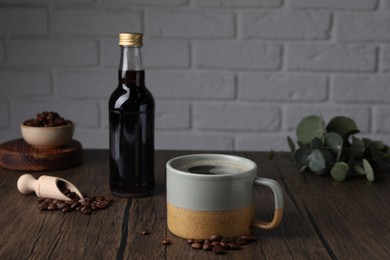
(212,167)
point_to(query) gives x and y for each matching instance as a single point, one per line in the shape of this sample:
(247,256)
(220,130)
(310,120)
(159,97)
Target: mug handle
(278,197)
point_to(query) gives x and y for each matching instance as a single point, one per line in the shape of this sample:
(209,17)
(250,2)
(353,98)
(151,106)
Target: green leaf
(342,125)
(339,171)
(358,169)
(317,162)
(316,143)
(334,142)
(309,128)
(291,144)
(368,169)
(301,156)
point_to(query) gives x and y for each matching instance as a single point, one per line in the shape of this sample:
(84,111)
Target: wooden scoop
(46,187)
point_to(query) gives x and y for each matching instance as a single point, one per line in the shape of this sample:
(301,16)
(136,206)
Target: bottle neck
(131,71)
(131,58)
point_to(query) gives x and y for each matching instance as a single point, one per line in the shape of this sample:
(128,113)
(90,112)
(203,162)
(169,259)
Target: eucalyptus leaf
(368,169)
(358,169)
(377,156)
(309,128)
(334,142)
(301,156)
(342,125)
(339,171)
(316,143)
(291,144)
(317,161)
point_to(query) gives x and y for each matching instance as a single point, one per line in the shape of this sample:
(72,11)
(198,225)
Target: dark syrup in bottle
(131,126)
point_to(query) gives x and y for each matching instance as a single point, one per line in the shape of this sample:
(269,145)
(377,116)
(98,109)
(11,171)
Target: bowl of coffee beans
(47,130)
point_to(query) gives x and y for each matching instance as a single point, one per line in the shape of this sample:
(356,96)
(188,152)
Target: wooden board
(17,155)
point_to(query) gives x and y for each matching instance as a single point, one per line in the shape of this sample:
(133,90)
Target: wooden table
(323,219)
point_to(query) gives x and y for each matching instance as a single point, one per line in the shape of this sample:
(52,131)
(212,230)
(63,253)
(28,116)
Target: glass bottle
(131,125)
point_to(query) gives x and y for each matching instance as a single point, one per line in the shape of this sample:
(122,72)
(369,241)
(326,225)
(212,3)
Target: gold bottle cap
(130,39)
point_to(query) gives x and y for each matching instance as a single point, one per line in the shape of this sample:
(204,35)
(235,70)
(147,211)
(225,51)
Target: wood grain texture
(323,219)
(17,155)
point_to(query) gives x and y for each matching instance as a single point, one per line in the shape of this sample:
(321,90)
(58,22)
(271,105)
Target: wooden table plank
(350,218)
(323,219)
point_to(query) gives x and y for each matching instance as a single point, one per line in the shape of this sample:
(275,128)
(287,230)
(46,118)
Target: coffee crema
(212,167)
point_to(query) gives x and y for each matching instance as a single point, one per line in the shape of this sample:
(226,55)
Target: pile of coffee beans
(74,204)
(216,243)
(47,119)
(219,244)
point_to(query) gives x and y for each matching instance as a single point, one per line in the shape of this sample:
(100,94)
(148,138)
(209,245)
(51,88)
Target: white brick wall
(226,74)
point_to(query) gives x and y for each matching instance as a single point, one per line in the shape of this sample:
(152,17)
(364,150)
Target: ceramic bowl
(47,137)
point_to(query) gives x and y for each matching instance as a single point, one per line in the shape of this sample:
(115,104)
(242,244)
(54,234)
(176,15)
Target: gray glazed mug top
(246,164)
(228,191)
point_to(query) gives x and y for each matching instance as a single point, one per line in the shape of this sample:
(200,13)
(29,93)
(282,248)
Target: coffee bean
(52,206)
(207,247)
(42,206)
(216,238)
(67,209)
(200,241)
(218,250)
(241,241)
(190,241)
(224,245)
(145,232)
(234,246)
(166,242)
(196,245)
(215,243)
(61,205)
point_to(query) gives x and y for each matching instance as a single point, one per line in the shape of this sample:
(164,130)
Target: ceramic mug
(210,194)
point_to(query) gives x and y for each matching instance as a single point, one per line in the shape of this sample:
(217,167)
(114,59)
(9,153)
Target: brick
(155,53)
(53,52)
(193,141)
(238,3)
(282,87)
(84,113)
(4,113)
(24,83)
(191,85)
(193,24)
(294,114)
(382,120)
(385,58)
(236,117)
(172,115)
(92,138)
(237,55)
(166,54)
(94,21)
(366,27)
(148,2)
(361,88)
(335,4)
(286,25)
(331,57)
(81,84)
(23,21)
(262,142)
